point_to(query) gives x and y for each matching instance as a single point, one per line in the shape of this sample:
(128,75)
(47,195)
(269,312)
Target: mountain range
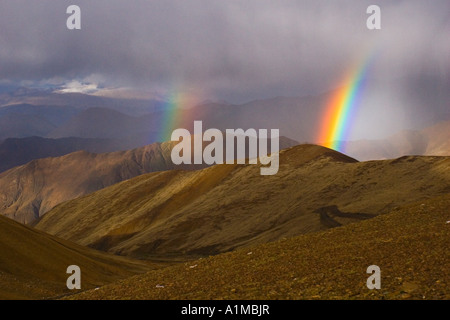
(30,112)
(185,214)
(128,124)
(29,191)
(322,219)
(18,151)
(90,181)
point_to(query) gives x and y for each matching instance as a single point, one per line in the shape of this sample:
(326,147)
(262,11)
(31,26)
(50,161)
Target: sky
(232,50)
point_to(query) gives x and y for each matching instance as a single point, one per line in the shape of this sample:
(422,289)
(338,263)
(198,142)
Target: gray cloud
(234,49)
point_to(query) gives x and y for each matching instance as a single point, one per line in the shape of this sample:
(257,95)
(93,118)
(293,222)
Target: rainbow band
(178,111)
(341,109)
(170,117)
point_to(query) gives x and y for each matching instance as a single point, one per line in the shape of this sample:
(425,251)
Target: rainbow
(177,111)
(342,107)
(170,117)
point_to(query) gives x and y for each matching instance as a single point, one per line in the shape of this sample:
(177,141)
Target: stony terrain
(409,244)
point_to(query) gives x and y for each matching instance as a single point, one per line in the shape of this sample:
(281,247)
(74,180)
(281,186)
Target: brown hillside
(33,264)
(409,244)
(187,214)
(29,191)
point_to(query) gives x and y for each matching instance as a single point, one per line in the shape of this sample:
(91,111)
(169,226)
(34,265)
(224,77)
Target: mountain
(18,151)
(18,125)
(99,117)
(33,264)
(409,244)
(184,214)
(432,141)
(29,191)
(56,115)
(89,116)
(103,123)
(296,117)
(25,120)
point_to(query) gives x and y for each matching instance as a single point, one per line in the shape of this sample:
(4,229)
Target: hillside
(186,214)
(18,125)
(33,264)
(409,244)
(29,191)
(26,120)
(18,151)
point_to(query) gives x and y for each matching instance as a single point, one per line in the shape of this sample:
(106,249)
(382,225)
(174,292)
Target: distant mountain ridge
(53,115)
(79,101)
(295,117)
(18,151)
(104,123)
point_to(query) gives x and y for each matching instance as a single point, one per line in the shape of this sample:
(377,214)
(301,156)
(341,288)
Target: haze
(236,51)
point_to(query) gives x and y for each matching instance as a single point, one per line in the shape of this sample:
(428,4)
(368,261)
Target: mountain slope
(29,191)
(57,115)
(187,214)
(18,151)
(33,264)
(409,244)
(25,120)
(103,123)
(17,125)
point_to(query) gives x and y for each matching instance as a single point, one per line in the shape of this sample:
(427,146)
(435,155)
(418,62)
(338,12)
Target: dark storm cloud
(235,50)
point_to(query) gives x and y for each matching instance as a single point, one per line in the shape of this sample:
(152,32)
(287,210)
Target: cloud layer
(233,49)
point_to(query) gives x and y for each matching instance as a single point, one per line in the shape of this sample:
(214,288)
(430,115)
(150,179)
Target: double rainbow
(336,121)
(342,108)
